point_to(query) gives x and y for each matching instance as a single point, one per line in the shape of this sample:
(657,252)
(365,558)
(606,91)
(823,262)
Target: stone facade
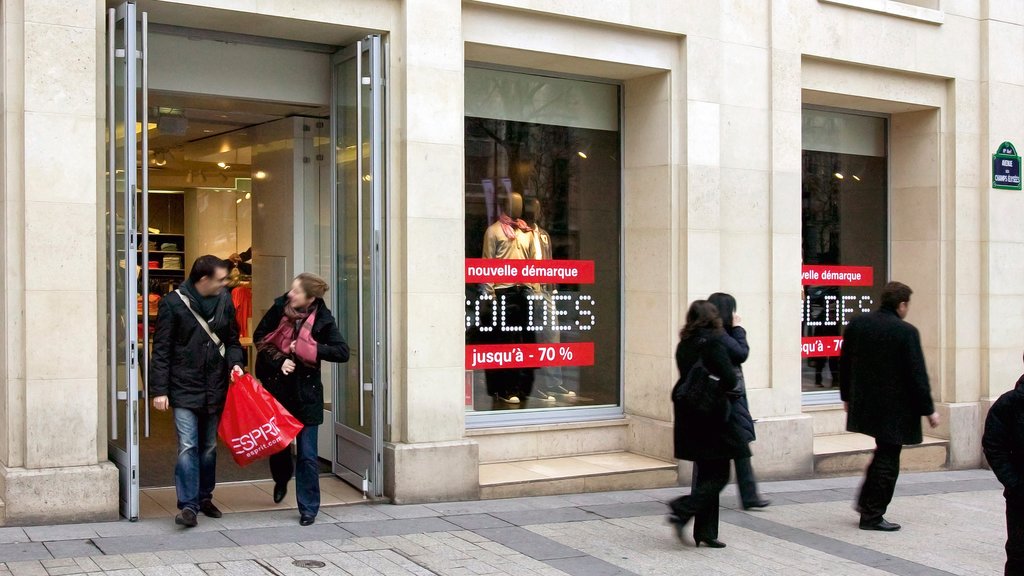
(713,92)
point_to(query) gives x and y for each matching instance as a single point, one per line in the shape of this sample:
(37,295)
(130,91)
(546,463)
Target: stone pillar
(427,458)
(1001,211)
(53,445)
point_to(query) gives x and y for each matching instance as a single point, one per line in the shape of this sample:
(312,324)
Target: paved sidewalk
(953,524)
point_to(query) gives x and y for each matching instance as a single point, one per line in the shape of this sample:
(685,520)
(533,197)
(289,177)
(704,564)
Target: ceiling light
(260,174)
(248,195)
(582,154)
(857,178)
(239,201)
(839,175)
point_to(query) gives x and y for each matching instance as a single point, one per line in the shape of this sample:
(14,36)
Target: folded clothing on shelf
(153,264)
(169,247)
(173,262)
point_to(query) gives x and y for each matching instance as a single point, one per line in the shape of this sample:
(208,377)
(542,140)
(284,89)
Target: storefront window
(845,236)
(543,198)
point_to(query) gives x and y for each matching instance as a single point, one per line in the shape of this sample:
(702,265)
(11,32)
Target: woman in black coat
(708,437)
(294,337)
(736,341)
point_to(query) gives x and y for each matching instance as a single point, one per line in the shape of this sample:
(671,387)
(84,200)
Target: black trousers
(512,306)
(1014,540)
(710,477)
(880,482)
(746,481)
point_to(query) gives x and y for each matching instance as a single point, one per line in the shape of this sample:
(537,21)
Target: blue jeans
(306,470)
(195,473)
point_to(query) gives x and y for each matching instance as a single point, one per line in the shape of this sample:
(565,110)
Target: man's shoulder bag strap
(203,323)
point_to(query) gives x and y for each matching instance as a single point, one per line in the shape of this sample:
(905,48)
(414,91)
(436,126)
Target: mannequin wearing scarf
(511,238)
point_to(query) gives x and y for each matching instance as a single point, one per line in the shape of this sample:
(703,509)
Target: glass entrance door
(127,127)
(359,232)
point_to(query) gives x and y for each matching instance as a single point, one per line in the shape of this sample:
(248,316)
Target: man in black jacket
(884,386)
(194,348)
(1003,443)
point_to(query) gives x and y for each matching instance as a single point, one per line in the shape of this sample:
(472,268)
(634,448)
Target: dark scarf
(205,305)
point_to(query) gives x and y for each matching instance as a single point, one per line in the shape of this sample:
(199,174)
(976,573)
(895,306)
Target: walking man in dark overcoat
(885,390)
(1003,443)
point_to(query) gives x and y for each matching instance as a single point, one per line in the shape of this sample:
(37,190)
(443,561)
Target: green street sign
(1006,168)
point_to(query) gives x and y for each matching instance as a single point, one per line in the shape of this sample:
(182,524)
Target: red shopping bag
(254,424)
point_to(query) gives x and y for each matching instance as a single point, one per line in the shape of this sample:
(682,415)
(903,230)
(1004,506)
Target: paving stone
(629,510)
(284,534)
(72,548)
(12,535)
(405,511)
(400,527)
(477,521)
(61,532)
(588,566)
(528,543)
(114,562)
(23,551)
(347,514)
(552,516)
(181,541)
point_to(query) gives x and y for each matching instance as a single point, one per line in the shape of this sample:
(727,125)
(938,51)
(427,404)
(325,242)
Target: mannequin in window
(510,238)
(548,384)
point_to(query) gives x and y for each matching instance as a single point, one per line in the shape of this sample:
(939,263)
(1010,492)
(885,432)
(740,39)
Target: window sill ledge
(894,8)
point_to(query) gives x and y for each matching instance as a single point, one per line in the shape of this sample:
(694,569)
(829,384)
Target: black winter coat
(1003,443)
(701,436)
(735,341)
(302,391)
(884,379)
(185,364)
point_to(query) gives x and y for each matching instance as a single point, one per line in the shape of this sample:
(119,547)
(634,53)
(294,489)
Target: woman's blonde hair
(312,284)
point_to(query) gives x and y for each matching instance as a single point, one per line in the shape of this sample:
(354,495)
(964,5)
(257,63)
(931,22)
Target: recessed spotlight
(857,178)
(248,195)
(839,175)
(582,154)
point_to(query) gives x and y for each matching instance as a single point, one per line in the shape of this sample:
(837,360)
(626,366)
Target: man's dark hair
(894,294)
(206,266)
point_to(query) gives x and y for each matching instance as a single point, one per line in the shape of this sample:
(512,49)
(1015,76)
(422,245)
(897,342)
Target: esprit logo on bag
(258,440)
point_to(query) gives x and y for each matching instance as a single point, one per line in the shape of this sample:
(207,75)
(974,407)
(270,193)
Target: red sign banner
(497,356)
(838,276)
(496,271)
(821,346)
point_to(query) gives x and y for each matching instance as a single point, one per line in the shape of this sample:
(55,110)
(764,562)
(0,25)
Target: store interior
(243,180)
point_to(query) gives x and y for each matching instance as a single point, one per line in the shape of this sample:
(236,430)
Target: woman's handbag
(699,390)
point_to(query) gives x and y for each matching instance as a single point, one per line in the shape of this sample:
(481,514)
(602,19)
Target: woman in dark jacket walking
(294,337)
(735,340)
(707,437)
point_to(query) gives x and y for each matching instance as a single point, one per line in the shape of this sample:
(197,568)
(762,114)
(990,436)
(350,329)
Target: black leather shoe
(762,503)
(307,520)
(280,491)
(880,525)
(187,518)
(711,543)
(210,510)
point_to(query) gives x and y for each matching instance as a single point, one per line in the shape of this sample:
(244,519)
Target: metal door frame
(134,197)
(372,480)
